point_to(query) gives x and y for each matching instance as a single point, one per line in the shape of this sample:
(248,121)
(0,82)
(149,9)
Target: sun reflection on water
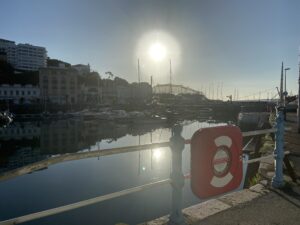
(157,154)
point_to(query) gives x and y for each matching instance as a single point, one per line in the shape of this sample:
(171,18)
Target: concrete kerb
(196,213)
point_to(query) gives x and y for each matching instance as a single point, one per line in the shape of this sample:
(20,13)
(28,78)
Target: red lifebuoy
(216,160)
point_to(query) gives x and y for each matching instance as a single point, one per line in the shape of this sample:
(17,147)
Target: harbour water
(69,182)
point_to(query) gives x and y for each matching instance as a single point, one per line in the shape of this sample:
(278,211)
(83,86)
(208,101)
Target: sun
(157,51)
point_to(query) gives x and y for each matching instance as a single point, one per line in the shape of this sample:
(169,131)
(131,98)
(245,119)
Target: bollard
(177,146)
(277,180)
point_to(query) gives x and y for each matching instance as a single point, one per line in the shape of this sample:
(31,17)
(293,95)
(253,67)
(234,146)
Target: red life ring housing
(216,160)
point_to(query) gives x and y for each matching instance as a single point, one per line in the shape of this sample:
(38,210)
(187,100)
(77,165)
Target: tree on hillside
(6,68)
(110,74)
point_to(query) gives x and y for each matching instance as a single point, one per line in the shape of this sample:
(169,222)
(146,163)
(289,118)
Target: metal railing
(176,143)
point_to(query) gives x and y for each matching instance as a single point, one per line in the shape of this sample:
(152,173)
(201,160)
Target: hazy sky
(238,43)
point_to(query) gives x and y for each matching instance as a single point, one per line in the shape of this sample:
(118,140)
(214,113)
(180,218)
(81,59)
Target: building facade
(20,94)
(59,85)
(24,56)
(82,69)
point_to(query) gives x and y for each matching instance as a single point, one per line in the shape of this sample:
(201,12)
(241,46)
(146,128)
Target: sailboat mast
(170,77)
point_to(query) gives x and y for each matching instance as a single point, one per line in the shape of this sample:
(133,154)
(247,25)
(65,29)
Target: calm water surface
(68,182)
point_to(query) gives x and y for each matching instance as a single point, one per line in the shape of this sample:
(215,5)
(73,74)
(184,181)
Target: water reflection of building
(20,94)
(25,143)
(60,137)
(19,131)
(21,157)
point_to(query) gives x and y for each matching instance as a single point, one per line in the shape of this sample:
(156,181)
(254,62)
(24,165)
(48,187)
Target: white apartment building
(10,48)
(20,94)
(24,56)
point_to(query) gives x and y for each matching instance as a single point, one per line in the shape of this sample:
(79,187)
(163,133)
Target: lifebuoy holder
(216,162)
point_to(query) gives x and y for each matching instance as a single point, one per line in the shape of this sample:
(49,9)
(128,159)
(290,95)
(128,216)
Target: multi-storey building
(24,56)
(9,47)
(30,57)
(3,55)
(82,69)
(90,89)
(59,85)
(20,94)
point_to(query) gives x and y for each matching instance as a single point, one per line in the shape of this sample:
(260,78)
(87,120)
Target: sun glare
(157,154)
(157,51)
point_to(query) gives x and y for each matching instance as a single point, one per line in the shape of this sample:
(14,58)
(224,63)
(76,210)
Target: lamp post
(285,93)
(285,78)
(281,85)
(298,110)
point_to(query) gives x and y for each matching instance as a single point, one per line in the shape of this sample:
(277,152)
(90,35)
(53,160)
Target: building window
(5,92)
(23,92)
(29,92)
(17,92)
(54,80)
(11,92)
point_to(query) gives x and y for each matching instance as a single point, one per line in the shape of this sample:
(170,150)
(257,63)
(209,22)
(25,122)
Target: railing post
(177,146)
(277,180)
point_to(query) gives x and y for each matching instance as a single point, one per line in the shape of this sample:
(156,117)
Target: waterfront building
(3,55)
(9,47)
(24,56)
(119,91)
(20,94)
(59,85)
(173,89)
(57,63)
(82,69)
(109,92)
(90,89)
(123,94)
(141,91)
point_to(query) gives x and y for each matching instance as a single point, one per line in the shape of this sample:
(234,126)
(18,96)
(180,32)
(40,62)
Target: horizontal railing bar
(188,176)
(264,157)
(258,132)
(83,203)
(76,156)
(97,153)
(247,133)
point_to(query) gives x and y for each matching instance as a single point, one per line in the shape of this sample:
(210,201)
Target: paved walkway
(259,205)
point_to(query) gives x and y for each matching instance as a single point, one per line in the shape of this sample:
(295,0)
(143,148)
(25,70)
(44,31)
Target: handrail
(57,210)
(264,157)
(104,152)
(76,156)
(248,133)
(259,132)
(97,153)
